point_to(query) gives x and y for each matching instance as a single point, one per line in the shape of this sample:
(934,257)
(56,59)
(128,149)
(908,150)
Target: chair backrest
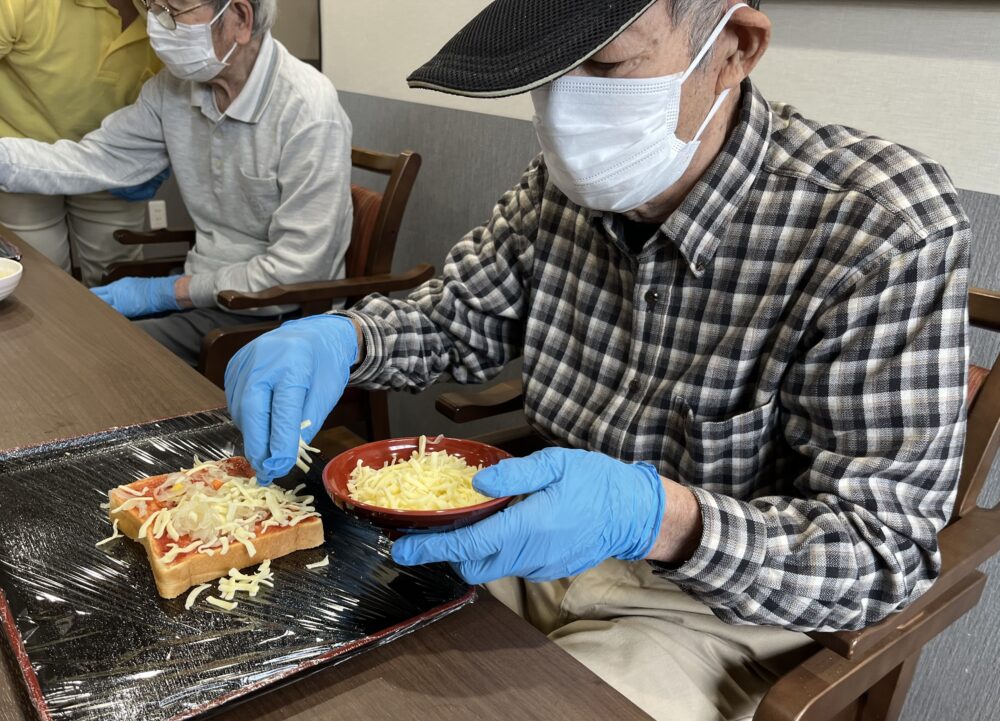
(378,215)
(983,439)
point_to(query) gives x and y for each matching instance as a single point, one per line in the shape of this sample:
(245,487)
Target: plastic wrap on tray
(93,639)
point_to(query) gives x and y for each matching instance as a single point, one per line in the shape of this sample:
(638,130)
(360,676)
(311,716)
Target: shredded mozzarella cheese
(319,564)
(174,550)
(212,510)
(144,528)
(304,461)
(238,581)
(195,592)
(432,481)
(225,605)
(114,534)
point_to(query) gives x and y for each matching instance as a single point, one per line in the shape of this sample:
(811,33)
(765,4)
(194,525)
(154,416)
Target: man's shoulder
(902,183)
(305,91)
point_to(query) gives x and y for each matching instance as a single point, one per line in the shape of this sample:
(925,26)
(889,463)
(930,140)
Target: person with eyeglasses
(261,150)
(64,66)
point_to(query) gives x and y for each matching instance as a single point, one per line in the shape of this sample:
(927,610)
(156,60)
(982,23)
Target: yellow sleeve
(12,14)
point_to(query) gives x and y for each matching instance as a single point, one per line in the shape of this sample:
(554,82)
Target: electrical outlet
(157,214)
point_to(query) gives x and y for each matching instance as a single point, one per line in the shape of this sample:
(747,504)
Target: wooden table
(73,366)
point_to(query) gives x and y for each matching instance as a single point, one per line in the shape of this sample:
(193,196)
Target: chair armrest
(143,269)
(519,440)
(462,407)
(128,237)
(824,684)
(984,308)
(330,290)
(221,344)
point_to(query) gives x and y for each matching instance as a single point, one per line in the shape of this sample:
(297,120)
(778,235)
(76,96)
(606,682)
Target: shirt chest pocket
(732,455)
(261,195)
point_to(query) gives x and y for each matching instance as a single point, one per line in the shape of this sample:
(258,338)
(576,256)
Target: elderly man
(261,150)
(744,331)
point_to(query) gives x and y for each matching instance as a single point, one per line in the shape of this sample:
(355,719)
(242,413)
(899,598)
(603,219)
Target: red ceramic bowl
(338,471)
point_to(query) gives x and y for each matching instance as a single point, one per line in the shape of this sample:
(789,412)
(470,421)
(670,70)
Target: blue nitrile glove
(294,373)
(136,297)
(584,508)
(143,191)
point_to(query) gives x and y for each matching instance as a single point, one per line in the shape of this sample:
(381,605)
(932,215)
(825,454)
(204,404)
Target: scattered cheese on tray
(319,564)
(225,605)
(195,592)
(114,534)
(238,581)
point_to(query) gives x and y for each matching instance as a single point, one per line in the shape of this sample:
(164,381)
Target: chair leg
(884,702)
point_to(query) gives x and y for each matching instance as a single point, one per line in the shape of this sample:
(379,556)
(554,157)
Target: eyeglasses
(165,16)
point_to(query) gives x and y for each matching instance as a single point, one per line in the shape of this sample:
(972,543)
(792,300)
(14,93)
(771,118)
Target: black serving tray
(94,641)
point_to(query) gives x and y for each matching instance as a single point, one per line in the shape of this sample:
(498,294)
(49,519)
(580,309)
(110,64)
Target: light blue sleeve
(127,149)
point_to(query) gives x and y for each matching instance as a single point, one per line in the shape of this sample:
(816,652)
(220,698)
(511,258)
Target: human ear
(243,14)
(748,35)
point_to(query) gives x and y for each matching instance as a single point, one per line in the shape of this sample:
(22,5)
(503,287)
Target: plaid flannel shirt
(791,345)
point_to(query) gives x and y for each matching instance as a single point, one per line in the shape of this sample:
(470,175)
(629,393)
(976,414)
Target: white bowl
(10,275)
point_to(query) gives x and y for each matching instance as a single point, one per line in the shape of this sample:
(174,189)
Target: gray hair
(701,17)
(264,12)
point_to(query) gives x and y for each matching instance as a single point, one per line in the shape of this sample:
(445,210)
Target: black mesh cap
(515,45)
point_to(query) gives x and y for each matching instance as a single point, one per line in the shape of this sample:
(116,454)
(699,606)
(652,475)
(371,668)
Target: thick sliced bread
(174,578)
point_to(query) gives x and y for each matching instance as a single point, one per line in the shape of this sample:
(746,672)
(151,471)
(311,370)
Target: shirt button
(634,386)
(651,298)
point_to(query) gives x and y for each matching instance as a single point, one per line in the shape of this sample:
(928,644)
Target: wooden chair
(859,675)
(377,218)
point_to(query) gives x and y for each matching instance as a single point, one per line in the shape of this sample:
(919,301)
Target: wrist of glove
(142,191)
(294,373)
(584,508)
(137,297)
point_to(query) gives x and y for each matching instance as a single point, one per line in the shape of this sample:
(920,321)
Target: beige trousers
(58,225)
(660,648)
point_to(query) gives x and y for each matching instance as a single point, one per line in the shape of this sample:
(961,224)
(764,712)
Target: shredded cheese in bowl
(435,481)
(206,509)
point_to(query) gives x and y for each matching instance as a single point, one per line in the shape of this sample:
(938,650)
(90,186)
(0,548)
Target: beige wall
(924,73)
(297,27)
(360,60)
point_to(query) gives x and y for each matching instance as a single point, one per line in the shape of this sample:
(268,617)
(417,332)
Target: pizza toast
(199,523)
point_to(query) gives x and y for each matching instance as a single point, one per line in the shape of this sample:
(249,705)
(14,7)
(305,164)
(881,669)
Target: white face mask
(188,50)
(611,143)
